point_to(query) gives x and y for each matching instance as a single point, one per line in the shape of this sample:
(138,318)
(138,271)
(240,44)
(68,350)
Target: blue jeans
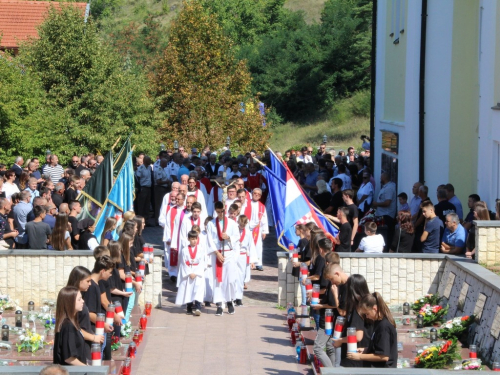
(316,318)
(130,306)
(304,294)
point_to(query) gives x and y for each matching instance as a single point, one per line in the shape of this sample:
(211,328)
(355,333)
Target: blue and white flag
(119,200)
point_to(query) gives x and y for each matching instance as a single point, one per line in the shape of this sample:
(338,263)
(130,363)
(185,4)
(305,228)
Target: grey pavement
(254,340)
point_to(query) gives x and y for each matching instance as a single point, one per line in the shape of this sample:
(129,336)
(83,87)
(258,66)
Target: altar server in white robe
(171,235)
(258,224)
(210,264)
(192,283)
(247,257)
(222,234)
(197,193)
(167,199)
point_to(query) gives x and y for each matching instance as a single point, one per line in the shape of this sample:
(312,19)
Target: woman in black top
(80,278)
(402,242)
(356,288)
(382,350)
(316,267)
(69,345)
(139,241)
(301,247)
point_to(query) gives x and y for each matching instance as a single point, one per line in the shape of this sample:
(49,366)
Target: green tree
(346,36)
(199,86)
(29,122)
(86,79)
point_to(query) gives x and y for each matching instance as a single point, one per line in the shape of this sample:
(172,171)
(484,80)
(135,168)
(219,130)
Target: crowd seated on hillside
(39,207)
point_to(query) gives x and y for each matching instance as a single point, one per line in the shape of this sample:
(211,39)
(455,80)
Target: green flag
(121,157)
(96,190)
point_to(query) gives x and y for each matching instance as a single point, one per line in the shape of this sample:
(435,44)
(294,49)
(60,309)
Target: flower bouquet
(7,303)
(455,327)
(472,364)
(30,342)
(126,329)
(115,342)
(437,357)
(50,324)
(428,299)
(370,217)
(433,314)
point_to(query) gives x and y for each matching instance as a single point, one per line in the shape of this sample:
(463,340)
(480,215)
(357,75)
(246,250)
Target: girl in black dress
(382,349)
(356,289)
(69,345)
(80,278)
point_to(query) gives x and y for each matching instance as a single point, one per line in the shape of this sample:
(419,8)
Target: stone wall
(34,275)
(469,288)
(398,278)
(488,242)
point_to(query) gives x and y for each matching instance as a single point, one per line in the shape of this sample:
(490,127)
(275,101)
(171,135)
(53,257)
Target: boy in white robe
(192,283)
(222,235)
(247,257)
(210,261)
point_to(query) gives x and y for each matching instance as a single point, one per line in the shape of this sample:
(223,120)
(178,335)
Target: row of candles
(96,350)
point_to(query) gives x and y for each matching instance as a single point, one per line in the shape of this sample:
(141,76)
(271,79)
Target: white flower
(420,351)
(449,325)
(22,337)
(42,338)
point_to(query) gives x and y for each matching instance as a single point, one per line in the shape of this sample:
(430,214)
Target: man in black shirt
(75,209)
(343,239)
(352,217)
(336,200)
(443,207)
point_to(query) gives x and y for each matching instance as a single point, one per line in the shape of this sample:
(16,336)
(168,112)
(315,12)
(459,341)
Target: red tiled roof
(19,19)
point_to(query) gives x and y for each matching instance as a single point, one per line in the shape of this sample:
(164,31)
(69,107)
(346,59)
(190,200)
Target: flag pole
(118,140)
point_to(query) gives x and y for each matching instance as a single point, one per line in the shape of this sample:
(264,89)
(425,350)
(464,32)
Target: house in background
(437,95)
(19,20)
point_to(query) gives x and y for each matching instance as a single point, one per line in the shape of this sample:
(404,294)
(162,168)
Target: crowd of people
(346,296)
(212,209)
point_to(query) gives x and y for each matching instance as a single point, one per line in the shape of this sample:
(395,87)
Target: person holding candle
(80,278)
(103,268)
(356,288)
(323,339)
(191,275)
(316,268)
(126,240)
(69,345)
(382,350)
(304,255)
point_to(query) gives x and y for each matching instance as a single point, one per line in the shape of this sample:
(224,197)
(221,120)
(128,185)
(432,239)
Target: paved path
(252,341)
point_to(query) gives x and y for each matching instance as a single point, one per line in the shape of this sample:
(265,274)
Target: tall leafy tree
(29,121)
(199,85)
(86,79)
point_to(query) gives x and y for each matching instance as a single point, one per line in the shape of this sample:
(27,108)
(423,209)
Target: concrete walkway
(254,340)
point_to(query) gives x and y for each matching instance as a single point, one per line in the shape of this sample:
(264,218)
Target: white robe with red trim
(211,200)
(199,198)
(191,290)
(171,237)
(224,291)
(259,226)
(246,255)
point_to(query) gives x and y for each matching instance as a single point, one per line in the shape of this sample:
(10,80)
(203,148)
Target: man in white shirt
(415,201)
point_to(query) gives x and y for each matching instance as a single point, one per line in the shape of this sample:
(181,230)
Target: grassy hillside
(311,8)
(343,125)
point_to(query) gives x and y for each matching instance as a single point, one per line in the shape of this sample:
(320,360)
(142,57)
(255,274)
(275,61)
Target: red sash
(248,209)
(242,236)
(218,264)
(216,194)
(256,230)
(192,255)
(173,213)
(192,222)
(169,206)
(179,230)
(208,185)
(197,184)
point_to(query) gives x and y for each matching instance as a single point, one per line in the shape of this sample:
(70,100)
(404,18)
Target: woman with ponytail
(382,350)
(357,288)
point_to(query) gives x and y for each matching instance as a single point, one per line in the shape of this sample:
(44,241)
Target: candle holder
(228,141)
(433,336)
(5,332)
(19,319)
(127,368)
(420,321)
(162,147)
(148,307)
(352,340)
(31,306)
(110,314)
(176,145)
(325,139)
(406,308)
(95,351)
(472,351)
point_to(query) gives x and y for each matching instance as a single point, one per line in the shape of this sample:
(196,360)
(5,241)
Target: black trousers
(143,202)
